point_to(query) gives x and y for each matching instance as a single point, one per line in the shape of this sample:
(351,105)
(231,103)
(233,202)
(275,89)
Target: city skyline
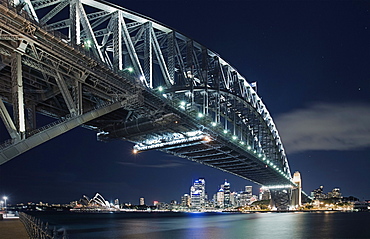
(198,187)
(311,68)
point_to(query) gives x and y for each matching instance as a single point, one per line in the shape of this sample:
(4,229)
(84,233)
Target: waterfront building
(335,193)
(142,201)
(318,193)
(185,200)
(116,203)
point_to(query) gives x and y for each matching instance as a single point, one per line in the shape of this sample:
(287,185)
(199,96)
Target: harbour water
(211,225)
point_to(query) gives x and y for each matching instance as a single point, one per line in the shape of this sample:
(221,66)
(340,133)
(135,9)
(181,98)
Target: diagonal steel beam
(65,92)
(55,130)
(54,12)
(8,122)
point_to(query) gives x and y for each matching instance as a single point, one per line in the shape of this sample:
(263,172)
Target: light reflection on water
(214,226)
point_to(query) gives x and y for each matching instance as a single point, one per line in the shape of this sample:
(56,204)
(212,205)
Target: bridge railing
(40,230)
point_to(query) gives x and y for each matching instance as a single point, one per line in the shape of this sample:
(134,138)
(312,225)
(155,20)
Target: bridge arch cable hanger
(170,76)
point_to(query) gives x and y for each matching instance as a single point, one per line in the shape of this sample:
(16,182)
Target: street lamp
(5,198)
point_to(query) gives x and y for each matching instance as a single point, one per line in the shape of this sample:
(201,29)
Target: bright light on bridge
(87,43)
(207,138)
(277,186)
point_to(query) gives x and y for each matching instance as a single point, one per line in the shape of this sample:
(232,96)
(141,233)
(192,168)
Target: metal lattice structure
(91,63)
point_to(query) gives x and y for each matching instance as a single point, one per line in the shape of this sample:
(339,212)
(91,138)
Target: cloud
(324,126)
(164,165)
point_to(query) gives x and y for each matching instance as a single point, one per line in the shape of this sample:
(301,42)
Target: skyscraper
(249,192)
(226,189)
(198,193)
(220,198)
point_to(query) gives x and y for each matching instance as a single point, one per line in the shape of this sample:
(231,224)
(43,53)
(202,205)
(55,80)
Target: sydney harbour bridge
(126,76)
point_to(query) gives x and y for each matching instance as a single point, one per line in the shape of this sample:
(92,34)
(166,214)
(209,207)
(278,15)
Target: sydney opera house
(97,203)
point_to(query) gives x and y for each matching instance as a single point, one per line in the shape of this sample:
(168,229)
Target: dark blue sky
(311,61)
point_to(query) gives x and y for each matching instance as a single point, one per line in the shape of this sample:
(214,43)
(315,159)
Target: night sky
(311,61)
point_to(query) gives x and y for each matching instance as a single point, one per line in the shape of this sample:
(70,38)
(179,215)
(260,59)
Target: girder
(112,54)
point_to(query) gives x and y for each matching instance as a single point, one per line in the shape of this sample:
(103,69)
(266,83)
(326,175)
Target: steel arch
(168,65)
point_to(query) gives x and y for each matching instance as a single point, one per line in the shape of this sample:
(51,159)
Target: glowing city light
(160,88)
(213,124)
(200,115)
(234,137)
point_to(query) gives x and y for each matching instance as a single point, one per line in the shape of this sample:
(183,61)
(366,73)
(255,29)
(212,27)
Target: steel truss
(109,54)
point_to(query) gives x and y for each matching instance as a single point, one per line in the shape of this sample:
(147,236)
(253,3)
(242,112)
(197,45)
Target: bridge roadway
(131,79)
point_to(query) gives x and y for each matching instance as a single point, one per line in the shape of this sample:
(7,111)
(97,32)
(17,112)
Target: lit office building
(264,194)
(243,199)
(335,193)
(248,190)
(233,199)
(220,198)
(198,193)
(142,201)
(318,193)
(226,189)
(185,200)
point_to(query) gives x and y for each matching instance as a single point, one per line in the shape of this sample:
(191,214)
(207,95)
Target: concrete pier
(11,228)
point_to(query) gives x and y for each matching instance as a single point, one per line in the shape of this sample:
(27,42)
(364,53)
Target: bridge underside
(180,97)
